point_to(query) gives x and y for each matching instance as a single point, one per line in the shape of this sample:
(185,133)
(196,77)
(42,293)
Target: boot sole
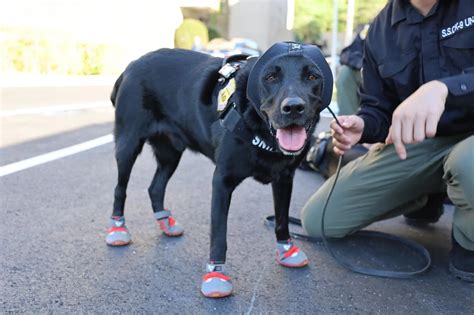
(303,264)
(172,234)
(118,243)
(465,276)
(217,295)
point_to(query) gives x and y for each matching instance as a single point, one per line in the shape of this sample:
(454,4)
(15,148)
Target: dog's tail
(113,95)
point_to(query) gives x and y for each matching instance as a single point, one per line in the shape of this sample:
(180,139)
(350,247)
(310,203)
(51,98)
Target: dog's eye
(312,77)
(271,77)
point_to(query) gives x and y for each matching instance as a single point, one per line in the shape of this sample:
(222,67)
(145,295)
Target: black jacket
(404,50)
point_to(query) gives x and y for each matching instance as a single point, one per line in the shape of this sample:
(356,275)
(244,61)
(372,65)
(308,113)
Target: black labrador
(251,117)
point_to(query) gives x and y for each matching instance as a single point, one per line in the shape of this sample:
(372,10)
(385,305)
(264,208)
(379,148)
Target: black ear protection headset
(284,49)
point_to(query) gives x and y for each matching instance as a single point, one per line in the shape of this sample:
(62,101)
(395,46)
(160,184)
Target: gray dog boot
(168,224)
(290,255)
(117,233)
(215,284)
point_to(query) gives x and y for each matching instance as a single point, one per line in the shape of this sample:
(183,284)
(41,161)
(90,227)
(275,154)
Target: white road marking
(53,109)
(51,156)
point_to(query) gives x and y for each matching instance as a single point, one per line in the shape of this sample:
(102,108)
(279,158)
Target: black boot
(430,213)
(322,159)
(461,262)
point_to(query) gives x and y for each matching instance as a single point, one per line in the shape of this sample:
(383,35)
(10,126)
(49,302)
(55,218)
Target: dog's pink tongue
(291,138)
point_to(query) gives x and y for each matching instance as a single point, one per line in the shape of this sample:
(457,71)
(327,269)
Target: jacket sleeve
(461,89)
(377,102)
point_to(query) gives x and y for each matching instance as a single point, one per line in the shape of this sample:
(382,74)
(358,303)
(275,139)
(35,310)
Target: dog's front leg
(281,201)
(222,188)
(288,254)
(215,283)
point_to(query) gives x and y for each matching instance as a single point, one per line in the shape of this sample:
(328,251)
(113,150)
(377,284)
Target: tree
(313,18)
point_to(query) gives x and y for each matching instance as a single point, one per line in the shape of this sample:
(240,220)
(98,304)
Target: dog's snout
(292,105)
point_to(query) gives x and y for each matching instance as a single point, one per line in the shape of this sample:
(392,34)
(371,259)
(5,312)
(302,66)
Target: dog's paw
(216,285)
(168,224)
(290,255)
(117,233)
(169,227)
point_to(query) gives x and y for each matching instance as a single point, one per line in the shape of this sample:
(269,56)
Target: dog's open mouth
(291,139)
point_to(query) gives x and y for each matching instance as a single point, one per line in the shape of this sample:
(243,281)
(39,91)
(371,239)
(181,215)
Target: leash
(419,249)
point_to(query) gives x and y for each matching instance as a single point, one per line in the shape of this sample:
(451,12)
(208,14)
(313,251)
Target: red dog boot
(117,233)
(215,284)
(290,255)
(168,224)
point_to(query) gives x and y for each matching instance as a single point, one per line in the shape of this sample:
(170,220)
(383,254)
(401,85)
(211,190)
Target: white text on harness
(256,141)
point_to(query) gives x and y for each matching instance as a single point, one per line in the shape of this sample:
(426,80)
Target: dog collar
(282,49)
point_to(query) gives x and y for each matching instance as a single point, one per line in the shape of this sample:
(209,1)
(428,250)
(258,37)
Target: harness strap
(229,116)
(233,122)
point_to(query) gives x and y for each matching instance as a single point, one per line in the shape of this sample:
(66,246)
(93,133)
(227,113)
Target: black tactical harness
(230,118)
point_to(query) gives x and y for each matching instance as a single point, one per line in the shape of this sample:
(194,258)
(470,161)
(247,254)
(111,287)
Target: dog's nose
(292,105)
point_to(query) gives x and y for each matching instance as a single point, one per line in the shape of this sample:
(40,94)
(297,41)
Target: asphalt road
(53,258)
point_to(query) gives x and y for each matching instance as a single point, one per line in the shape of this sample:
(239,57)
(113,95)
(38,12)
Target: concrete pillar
(264,21)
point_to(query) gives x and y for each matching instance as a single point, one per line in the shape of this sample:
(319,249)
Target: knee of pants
(311,216)
(459,174)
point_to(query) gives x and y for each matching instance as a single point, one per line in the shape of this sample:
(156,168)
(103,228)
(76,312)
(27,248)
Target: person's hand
(343,138)
(417,117)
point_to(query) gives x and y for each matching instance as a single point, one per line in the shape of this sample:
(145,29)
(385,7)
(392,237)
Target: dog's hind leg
(288,254)
(168,158)
(126,152)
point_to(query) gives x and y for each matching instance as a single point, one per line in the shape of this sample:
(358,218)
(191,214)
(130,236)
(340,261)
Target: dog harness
(229,116)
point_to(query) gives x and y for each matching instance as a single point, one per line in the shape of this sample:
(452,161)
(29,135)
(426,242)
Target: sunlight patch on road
(52,109)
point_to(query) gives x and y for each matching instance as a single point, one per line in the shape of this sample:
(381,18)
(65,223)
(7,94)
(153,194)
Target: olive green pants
(379,185)
(347,84)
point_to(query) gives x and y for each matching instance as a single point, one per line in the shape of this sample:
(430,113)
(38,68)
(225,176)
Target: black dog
(251,117)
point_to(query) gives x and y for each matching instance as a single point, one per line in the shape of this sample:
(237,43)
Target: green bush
(46,53)
(185,35)
(92,59)
(313,18)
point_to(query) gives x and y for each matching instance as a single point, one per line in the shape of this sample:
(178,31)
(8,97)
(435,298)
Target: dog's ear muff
(282,49)
(316,56)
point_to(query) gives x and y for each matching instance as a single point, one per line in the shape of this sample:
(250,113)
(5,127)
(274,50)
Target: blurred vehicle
(220,47)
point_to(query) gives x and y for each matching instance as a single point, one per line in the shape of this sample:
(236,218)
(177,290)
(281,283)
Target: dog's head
(288,86)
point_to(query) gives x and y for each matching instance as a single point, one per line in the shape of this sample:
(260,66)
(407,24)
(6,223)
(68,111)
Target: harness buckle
(227,70)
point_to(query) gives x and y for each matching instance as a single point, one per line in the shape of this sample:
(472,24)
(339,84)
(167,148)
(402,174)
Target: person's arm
(417,117)
(461,89)
(376,101)
(372,122)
